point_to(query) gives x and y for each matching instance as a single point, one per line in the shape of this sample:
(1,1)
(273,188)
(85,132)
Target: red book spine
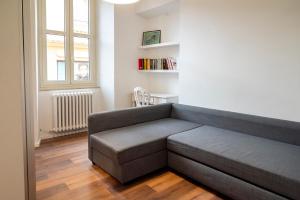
(140,64)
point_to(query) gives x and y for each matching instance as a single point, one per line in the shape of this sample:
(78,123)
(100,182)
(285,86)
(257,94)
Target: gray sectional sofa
(241,156)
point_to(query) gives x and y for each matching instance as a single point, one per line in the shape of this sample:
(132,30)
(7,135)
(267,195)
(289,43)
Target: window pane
(81,16)
(81,59)
(61,70)
(81,71)
(55,14)
(56,68)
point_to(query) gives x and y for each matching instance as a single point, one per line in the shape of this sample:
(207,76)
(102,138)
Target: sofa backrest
(280,130)
(116,119)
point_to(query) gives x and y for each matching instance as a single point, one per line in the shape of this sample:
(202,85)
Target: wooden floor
(65,173)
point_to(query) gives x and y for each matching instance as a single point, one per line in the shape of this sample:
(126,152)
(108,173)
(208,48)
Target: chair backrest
(141,97)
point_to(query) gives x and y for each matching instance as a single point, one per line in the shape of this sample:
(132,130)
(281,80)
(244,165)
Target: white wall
(149,5)
(241,56)
(12,183)
(119,36)
(105,52)
(169,26)
(128,32)
(129,28)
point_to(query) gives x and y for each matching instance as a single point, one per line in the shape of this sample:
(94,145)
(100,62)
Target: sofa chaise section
(136,146)
(129,143)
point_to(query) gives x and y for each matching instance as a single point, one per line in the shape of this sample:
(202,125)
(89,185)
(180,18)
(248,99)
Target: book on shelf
(169,63)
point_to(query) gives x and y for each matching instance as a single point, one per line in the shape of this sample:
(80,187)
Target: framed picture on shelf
(151,37)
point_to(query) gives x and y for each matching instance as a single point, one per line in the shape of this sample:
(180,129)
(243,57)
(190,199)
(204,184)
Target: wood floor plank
(167,182)
(48,192)
(64,172)
(192,194)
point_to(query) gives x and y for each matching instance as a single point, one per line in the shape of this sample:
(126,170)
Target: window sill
(68,87)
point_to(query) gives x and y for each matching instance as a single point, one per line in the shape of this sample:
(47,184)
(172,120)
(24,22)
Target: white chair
(141,97)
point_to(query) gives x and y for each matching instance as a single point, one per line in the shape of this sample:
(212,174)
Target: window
(66,44)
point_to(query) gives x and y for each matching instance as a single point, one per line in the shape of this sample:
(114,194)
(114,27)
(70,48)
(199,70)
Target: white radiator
(71,110)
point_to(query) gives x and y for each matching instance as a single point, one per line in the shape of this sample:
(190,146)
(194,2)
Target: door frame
(30,85)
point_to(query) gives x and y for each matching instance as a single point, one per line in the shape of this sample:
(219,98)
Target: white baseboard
(50,135)
(37,143)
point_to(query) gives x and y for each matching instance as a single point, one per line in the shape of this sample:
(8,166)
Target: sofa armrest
(116,119)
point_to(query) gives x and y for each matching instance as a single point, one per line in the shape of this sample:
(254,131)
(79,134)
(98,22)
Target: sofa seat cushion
(272,165)
(129,143)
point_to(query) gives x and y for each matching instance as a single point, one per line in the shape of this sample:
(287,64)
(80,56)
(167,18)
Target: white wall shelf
(159,7)
(161,45)
(160,71)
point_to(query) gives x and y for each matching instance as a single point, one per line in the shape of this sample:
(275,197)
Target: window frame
(70,82)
